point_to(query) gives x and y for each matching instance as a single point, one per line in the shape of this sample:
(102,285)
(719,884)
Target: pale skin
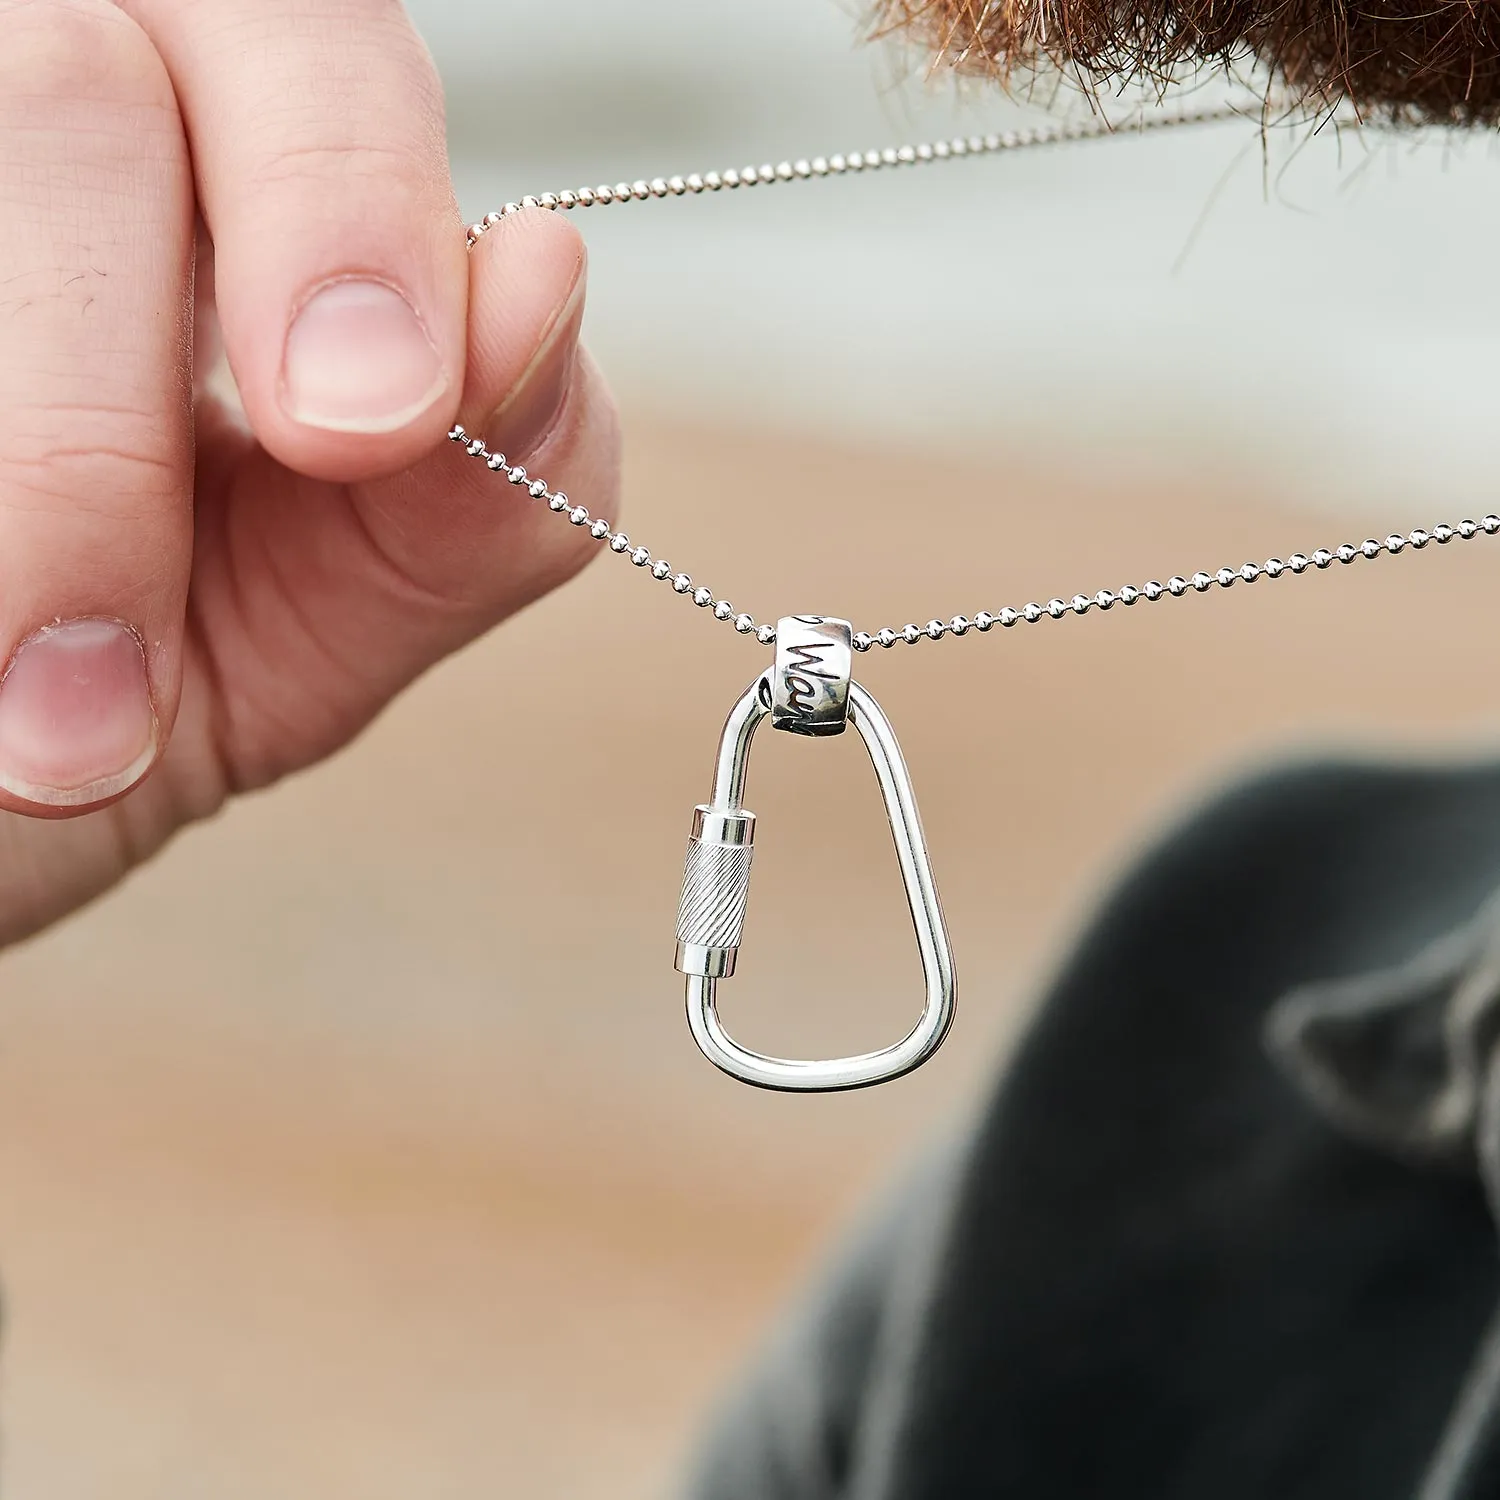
(196,599)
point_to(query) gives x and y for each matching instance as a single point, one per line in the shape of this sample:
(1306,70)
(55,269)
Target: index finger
(318,144)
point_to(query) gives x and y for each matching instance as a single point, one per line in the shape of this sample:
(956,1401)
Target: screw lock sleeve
(715,889)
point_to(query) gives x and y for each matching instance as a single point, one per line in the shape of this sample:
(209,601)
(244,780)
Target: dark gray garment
(1220,1231)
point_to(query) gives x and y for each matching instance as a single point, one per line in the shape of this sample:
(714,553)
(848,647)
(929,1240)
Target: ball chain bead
(661,570)
(984,620)
(682,583)
(1056,608)
(1226,578)
(1250,572)
(476,447)
(1007,617)
(640,557)
(599,530)
(1153,591)
(1442,534)
(1466,529)
(1275,567)
(1322,557)
(959,624)
(1177,586)
(1420,538)
(1394,543)
(703,597)
(744,624)
(619,542)
(935,630)
(1105,599)
(1201,581)
(456,434)
(1370,548)
(723,610)
(862,640)
(1346,553)
(886,637)
(766,635)
(559,502)
(1297,562)
(538,488)
(1032,612)
(1491,524)
(1080,604)
(1129,594)
(517,475)
(911,634)
(495,461)
(579,515)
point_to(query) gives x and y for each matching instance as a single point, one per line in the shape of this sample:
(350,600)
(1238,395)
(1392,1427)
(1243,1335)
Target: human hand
(196,600)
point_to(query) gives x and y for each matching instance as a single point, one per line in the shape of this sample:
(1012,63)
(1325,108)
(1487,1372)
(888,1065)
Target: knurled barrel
(715,888)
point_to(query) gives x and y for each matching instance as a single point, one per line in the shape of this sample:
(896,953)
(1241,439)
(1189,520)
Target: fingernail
(76,722)
(531,408)
(358,359)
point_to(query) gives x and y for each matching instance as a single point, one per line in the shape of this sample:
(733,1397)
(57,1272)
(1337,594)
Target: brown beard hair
(1404,61)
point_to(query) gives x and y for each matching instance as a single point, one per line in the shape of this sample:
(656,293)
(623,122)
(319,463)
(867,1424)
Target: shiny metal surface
(810,677)
(940,987)
(715,887)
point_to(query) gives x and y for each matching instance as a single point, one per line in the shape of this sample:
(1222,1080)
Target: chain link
(960,146)
(985,620)
(1029,614)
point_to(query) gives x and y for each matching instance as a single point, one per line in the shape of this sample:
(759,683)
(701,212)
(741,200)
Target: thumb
(318,603)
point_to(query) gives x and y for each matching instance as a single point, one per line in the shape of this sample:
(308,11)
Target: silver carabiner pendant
(807,691)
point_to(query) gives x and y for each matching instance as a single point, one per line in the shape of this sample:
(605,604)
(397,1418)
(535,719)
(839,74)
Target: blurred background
(357,1147)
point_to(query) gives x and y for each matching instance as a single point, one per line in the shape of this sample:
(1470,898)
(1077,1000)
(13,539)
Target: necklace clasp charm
(807,691)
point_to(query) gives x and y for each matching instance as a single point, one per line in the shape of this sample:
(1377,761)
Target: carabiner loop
(716,886)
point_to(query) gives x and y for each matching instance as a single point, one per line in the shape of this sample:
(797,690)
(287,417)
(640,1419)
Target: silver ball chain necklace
(809,688)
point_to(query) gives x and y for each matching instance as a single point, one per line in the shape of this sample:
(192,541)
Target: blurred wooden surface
(357,1148)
